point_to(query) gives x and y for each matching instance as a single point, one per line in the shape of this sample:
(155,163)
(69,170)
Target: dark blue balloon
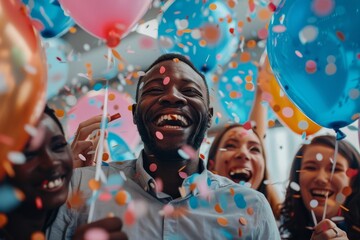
(191,28)
(51,16)
(235,98)
(313,48)
(119,149)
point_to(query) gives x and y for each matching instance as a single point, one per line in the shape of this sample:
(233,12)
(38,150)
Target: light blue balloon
(314,54)
(58,67)
(233,80)
(50,14)
(119,149)
(196,16)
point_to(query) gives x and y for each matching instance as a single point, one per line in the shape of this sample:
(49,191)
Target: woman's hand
(327,229)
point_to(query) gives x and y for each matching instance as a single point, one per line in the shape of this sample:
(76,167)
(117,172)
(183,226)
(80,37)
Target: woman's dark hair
(295,216)
(51,113)
(267,190)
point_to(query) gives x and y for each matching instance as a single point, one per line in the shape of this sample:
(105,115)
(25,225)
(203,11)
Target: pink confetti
(299,54)
(159,185)
(168,209)
(183,175)
(288,112)
(279,28)
(189,151)
(153,167)
(162,70)
(96,234)
(263,33)
(247,125)
(6,140)
(105,196)
(311,66)
(38,203)
(323,7)
(146,43)
(159,135)
(166,80)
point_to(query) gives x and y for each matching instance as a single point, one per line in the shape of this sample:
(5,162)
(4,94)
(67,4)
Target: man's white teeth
(172,117)
(53,183)
(239,170)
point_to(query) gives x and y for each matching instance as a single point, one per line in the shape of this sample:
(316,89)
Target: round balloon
(206,32)
(236,91)
(91,104)
(48,17)
(288,114)
(119,149)
(58,66)
(314,52)
(109,20)
(22,78)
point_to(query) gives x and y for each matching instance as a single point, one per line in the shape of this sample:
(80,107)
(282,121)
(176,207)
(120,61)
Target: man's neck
(170,171)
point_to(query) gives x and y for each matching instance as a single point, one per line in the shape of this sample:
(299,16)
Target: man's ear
(133,110)
(211,113)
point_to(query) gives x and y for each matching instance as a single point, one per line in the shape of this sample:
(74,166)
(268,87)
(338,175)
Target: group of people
(165,194)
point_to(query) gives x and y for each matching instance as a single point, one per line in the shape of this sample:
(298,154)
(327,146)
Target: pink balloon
(110,20)
(91,105)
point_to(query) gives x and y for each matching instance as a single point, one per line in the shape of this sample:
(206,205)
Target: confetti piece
(38,236)
(245,57)
(314,203)
(279,28)
(218,208)
(351,172)
(121,197)
(319,156)
(323,7)
(159,135)
(243,221)
(59,113)
(183,175)
(6,140)
(222,221)
(114,117)
(311,66)
(82,157)
(96,234)
(162,70)
(347,191)
(153,167)
(212,6)
(105,156)
(250,211)
(16,157)
(288,112)
(168,210)
(129,218)
(308,34)
(94,185)
(38,203)
(166,80)
(299,54)
(240,201)
(294,186)
(3,220)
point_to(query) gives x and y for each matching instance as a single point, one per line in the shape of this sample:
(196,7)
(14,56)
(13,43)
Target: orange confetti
(129,218)
(105,156)
(245,57)
(116,54)
(251,44)
(130,107)
(243,221)
(249,86)
(231,30)
(176,60)
(73,30)
(121,67)
(233,64)
(250,211)
(271,123)
(240,24)
(240,232)
(222,221)
(76,200)
(218,208)
(264,14)
(111,96)
(210,34)
(59,113)
(38,236)
(232,191)
(231,3)
(347,191)
(248,78)
(234,94)
(3,220)
(213,6)
(202,156)
(121,197)
(94,185)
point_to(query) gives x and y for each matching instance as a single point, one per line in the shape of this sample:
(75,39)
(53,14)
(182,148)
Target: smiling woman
(314,193)
(43,179)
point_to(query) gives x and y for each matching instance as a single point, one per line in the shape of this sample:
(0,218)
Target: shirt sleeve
(266,228)
(63,228)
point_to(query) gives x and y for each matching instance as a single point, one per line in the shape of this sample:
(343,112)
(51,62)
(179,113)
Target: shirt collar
(195,184)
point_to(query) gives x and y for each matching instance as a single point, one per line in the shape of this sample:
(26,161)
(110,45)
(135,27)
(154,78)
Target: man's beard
(194,141)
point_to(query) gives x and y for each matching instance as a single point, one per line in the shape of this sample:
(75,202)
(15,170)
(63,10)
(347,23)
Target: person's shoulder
(221,183)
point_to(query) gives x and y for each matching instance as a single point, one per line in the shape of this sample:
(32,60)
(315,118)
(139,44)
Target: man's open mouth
(172,121)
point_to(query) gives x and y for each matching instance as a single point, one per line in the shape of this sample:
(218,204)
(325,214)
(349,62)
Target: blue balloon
(51,16)
(119,149)
(235,98)
(58,67)
(9,198)
(191,28)
(313,48)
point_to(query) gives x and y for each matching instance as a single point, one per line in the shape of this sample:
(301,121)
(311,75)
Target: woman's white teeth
(320,192)
(53,184)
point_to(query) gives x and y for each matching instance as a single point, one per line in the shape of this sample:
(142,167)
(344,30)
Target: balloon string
(332,174)
(100,147)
